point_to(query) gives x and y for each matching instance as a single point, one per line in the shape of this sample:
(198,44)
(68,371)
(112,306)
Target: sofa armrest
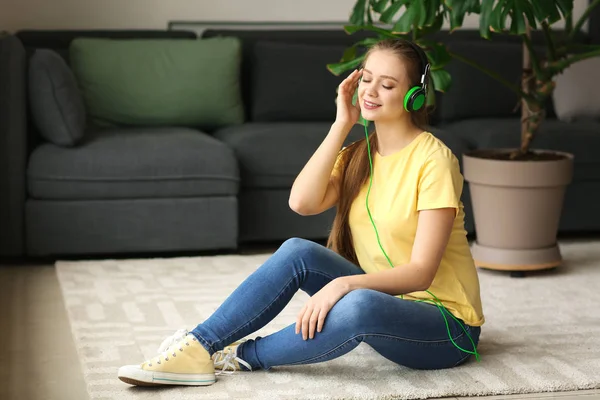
(13,145)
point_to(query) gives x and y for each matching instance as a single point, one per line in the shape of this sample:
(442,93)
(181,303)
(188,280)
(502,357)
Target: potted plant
(517,193)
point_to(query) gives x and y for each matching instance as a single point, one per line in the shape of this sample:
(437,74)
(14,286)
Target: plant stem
(568,23)
(578,46)
(492,74)
(549,42)
(526,85)
(559,66)
(583,18)
(530,53)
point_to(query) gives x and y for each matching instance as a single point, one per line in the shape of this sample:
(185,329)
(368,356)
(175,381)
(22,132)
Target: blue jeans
(408,333)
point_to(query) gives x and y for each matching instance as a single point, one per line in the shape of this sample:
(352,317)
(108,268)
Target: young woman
(397,272)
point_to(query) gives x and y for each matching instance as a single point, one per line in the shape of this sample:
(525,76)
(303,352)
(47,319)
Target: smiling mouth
(370,106)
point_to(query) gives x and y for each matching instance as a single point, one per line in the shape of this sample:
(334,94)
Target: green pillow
(154,82)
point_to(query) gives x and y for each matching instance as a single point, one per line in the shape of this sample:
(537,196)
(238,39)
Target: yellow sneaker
(182,360)
(227,362)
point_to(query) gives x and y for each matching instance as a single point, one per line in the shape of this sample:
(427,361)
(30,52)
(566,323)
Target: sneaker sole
(134,375)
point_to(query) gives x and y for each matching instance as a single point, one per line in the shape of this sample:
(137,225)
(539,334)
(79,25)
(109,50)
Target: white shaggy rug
(542,332)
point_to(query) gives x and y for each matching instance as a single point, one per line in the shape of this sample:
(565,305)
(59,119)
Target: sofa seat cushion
(134,163)
(271,155)
(582,139)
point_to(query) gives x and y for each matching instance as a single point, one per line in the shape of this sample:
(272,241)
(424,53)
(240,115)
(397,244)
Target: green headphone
(416,96)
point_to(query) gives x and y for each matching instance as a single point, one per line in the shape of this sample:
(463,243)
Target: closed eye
(385,87)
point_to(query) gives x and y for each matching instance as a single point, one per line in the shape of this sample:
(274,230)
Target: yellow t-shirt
(423,175)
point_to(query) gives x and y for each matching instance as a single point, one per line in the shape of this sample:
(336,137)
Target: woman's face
(382,87)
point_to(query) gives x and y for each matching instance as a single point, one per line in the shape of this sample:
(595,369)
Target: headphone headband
(424,61)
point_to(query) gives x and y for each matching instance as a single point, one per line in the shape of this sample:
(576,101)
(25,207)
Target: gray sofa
(179,189)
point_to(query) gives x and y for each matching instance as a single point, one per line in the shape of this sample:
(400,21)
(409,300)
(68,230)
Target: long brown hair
(354,160)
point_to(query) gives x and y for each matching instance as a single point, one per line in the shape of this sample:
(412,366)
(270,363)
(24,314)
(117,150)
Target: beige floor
(38,359)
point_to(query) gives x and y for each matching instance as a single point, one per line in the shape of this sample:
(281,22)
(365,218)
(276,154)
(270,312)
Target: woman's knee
(291,251)
(298,245)
(355,308)
(295,249)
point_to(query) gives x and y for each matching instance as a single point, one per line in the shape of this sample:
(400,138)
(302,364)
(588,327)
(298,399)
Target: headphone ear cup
(414,99)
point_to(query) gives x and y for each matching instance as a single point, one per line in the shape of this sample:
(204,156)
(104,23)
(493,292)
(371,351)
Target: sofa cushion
(55,101)
(193,83)
(291,83)
(135,163)
(576,93)
(271,155)
(582,139)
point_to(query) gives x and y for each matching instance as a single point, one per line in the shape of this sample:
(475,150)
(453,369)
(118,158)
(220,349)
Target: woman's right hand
(347,113)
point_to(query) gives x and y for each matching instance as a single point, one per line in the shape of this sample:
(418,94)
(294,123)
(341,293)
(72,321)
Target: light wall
(155,14)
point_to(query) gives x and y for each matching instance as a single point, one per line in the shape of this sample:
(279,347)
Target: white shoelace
(171,340)
(228,366)
(165,346)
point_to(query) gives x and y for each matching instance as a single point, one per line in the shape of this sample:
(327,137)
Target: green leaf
(341,67)
(473,6)
(450,3)
(388,15)
(432,12)
(538,10)
(379,5)
(487,7)
(430,99)
(441,80)
(404,24)
(350,29)
(358,13)
(457,15)
(552,11)
(517,26)
(528,10)
(547,10)
(433,28)
(504,16)
(438,54)
(499,15)
(368,42)
(349,54)
(422,12)
(565,6)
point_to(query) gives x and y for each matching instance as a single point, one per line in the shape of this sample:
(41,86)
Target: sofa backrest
(284,76)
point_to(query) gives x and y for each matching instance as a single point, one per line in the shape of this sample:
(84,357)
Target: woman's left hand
(316,308)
